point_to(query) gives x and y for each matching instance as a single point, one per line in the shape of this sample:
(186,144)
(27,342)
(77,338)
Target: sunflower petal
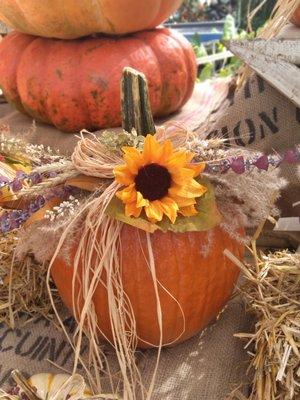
(140,201)
(127,195)
(188,211)
(198,168)
(165,152)
(190,190)
(133,159)
(170,208)
(182,176)
(176,161)
(151,150)
(123,175)
(131,210)
(183,201)
(154,211)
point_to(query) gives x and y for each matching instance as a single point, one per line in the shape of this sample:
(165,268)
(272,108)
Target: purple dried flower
(35,178)
(262,163)
(40,201)
(3,179)
(16,185)
(4,223)
(238,165)
(291,156)
(21,175)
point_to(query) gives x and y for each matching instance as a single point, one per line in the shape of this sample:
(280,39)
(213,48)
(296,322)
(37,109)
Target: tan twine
(101,258)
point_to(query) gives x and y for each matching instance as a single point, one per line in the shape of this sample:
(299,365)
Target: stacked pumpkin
(59,70)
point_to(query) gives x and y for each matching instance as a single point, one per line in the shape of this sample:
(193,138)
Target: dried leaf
(84,182)
(40,214)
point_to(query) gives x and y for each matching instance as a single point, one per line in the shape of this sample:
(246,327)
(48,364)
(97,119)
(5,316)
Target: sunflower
(159,180)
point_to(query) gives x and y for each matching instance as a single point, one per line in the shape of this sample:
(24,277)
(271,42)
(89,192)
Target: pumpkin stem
(136,109)
(21,381)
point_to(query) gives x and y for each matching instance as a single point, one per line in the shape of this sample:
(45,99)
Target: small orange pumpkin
(296,17)
(201,284)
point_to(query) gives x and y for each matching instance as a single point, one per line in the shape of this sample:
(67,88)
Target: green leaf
(208,216)
(116,209)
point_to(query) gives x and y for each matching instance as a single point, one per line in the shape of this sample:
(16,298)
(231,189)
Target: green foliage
(244,6)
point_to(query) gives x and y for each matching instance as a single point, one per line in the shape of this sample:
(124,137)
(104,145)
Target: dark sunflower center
(153,181)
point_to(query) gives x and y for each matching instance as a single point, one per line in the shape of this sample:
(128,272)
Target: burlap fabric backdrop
(206,367)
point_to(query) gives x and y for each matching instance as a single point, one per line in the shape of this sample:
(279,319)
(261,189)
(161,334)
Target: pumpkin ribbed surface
(76,84)
(296,17)
(201,284)
(71,19)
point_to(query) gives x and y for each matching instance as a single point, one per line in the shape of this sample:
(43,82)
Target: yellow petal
(127,195)
(140,201)
(151,150)
(198,168)
(183,201)
(170,208)
(133,159)
(131,210)
(165,152)
(188,211)
(182,176)
(154,211)
(123,175)
(190,190)
(176,161)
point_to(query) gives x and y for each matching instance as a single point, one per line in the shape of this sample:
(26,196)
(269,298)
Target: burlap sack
(259,117)
(206,367)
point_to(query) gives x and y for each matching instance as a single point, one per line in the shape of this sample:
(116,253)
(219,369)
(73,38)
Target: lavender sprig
(11,220)
(262,162)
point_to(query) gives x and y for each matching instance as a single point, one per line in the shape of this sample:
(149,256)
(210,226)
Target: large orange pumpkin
(296,17)
(71,19)
(201,284)
(76,84)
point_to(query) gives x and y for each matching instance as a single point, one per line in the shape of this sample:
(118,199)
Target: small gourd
(46,386)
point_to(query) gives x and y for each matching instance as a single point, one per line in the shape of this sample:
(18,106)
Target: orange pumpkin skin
(296,17)
(76,84)
(71,19)
(202,285)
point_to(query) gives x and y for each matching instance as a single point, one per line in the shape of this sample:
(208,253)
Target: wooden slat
(268,59)
(288,50)
(214,57)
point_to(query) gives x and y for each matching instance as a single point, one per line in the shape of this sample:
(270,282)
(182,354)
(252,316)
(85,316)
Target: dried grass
(22,284)
(272,293)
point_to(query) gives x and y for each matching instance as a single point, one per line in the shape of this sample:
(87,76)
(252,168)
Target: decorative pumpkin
(47,386)
(296,17)
(71,19)
(76,84)
(201,284)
